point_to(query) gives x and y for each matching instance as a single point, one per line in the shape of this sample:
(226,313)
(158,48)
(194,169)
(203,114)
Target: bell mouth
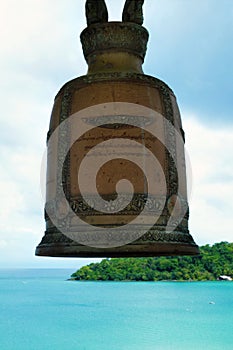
(79,251)
(152,244)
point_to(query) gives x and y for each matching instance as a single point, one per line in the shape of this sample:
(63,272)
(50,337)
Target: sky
(190,48)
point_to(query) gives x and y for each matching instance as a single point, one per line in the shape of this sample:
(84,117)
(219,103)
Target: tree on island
(212,262)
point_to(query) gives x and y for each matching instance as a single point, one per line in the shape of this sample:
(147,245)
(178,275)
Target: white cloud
(40,50)
(211,203)
(3,243)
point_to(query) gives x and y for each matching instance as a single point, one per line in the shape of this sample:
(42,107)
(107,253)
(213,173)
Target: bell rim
(130,250)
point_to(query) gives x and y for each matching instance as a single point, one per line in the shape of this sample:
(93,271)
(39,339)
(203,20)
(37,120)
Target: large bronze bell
(116,176)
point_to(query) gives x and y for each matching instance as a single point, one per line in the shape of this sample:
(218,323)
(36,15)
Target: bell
(116,170)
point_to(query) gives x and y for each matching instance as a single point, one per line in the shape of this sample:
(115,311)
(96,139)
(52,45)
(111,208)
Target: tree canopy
(212,262)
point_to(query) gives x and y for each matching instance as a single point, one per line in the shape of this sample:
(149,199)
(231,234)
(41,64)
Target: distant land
(213,262)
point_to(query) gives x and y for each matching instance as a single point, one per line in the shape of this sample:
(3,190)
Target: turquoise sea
(41,310)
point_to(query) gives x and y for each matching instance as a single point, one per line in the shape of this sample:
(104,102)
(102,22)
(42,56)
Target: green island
(214,262)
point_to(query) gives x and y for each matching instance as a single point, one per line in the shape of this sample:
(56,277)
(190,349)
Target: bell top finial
(96,11)
(133,11)
(114,46)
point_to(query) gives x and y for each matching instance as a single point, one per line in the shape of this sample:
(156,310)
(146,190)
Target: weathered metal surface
(115,52)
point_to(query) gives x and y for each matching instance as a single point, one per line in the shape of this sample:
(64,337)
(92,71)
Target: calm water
(40,310)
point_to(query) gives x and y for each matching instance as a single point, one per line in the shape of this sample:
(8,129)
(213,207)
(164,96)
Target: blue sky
(190,48)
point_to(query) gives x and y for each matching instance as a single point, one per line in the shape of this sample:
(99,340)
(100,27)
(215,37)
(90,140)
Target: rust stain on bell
(116,177)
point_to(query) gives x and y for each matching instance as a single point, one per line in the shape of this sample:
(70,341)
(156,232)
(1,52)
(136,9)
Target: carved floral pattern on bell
(114,124)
